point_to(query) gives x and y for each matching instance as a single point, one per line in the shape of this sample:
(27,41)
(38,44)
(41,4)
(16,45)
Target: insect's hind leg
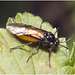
(37,48)
(22,45)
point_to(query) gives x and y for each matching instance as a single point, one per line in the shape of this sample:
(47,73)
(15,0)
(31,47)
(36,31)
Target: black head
(50,39)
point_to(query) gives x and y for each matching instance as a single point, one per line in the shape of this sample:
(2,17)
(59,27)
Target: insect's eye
(50,37)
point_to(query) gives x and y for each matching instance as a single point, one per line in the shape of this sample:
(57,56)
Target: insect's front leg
(49,56)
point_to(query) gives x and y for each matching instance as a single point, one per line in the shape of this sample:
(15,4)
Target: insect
(33,34)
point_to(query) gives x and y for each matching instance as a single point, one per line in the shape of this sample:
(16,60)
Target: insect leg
(22,45)
(49,56)
(40,26)
(13,20)
(32,53)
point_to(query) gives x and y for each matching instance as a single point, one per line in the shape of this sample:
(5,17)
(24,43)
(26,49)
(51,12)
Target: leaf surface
(15,61)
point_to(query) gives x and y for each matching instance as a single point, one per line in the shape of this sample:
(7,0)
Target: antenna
(63,46)
(68,39)
(66,42)
(56,30)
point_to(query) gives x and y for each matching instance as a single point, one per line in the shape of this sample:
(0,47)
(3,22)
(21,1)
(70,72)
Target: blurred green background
(59,14)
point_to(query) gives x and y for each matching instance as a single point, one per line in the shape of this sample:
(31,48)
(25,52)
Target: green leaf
(72,55)
(14,62)
(70,68)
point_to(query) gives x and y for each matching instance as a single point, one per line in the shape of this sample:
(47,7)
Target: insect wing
(26,32)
